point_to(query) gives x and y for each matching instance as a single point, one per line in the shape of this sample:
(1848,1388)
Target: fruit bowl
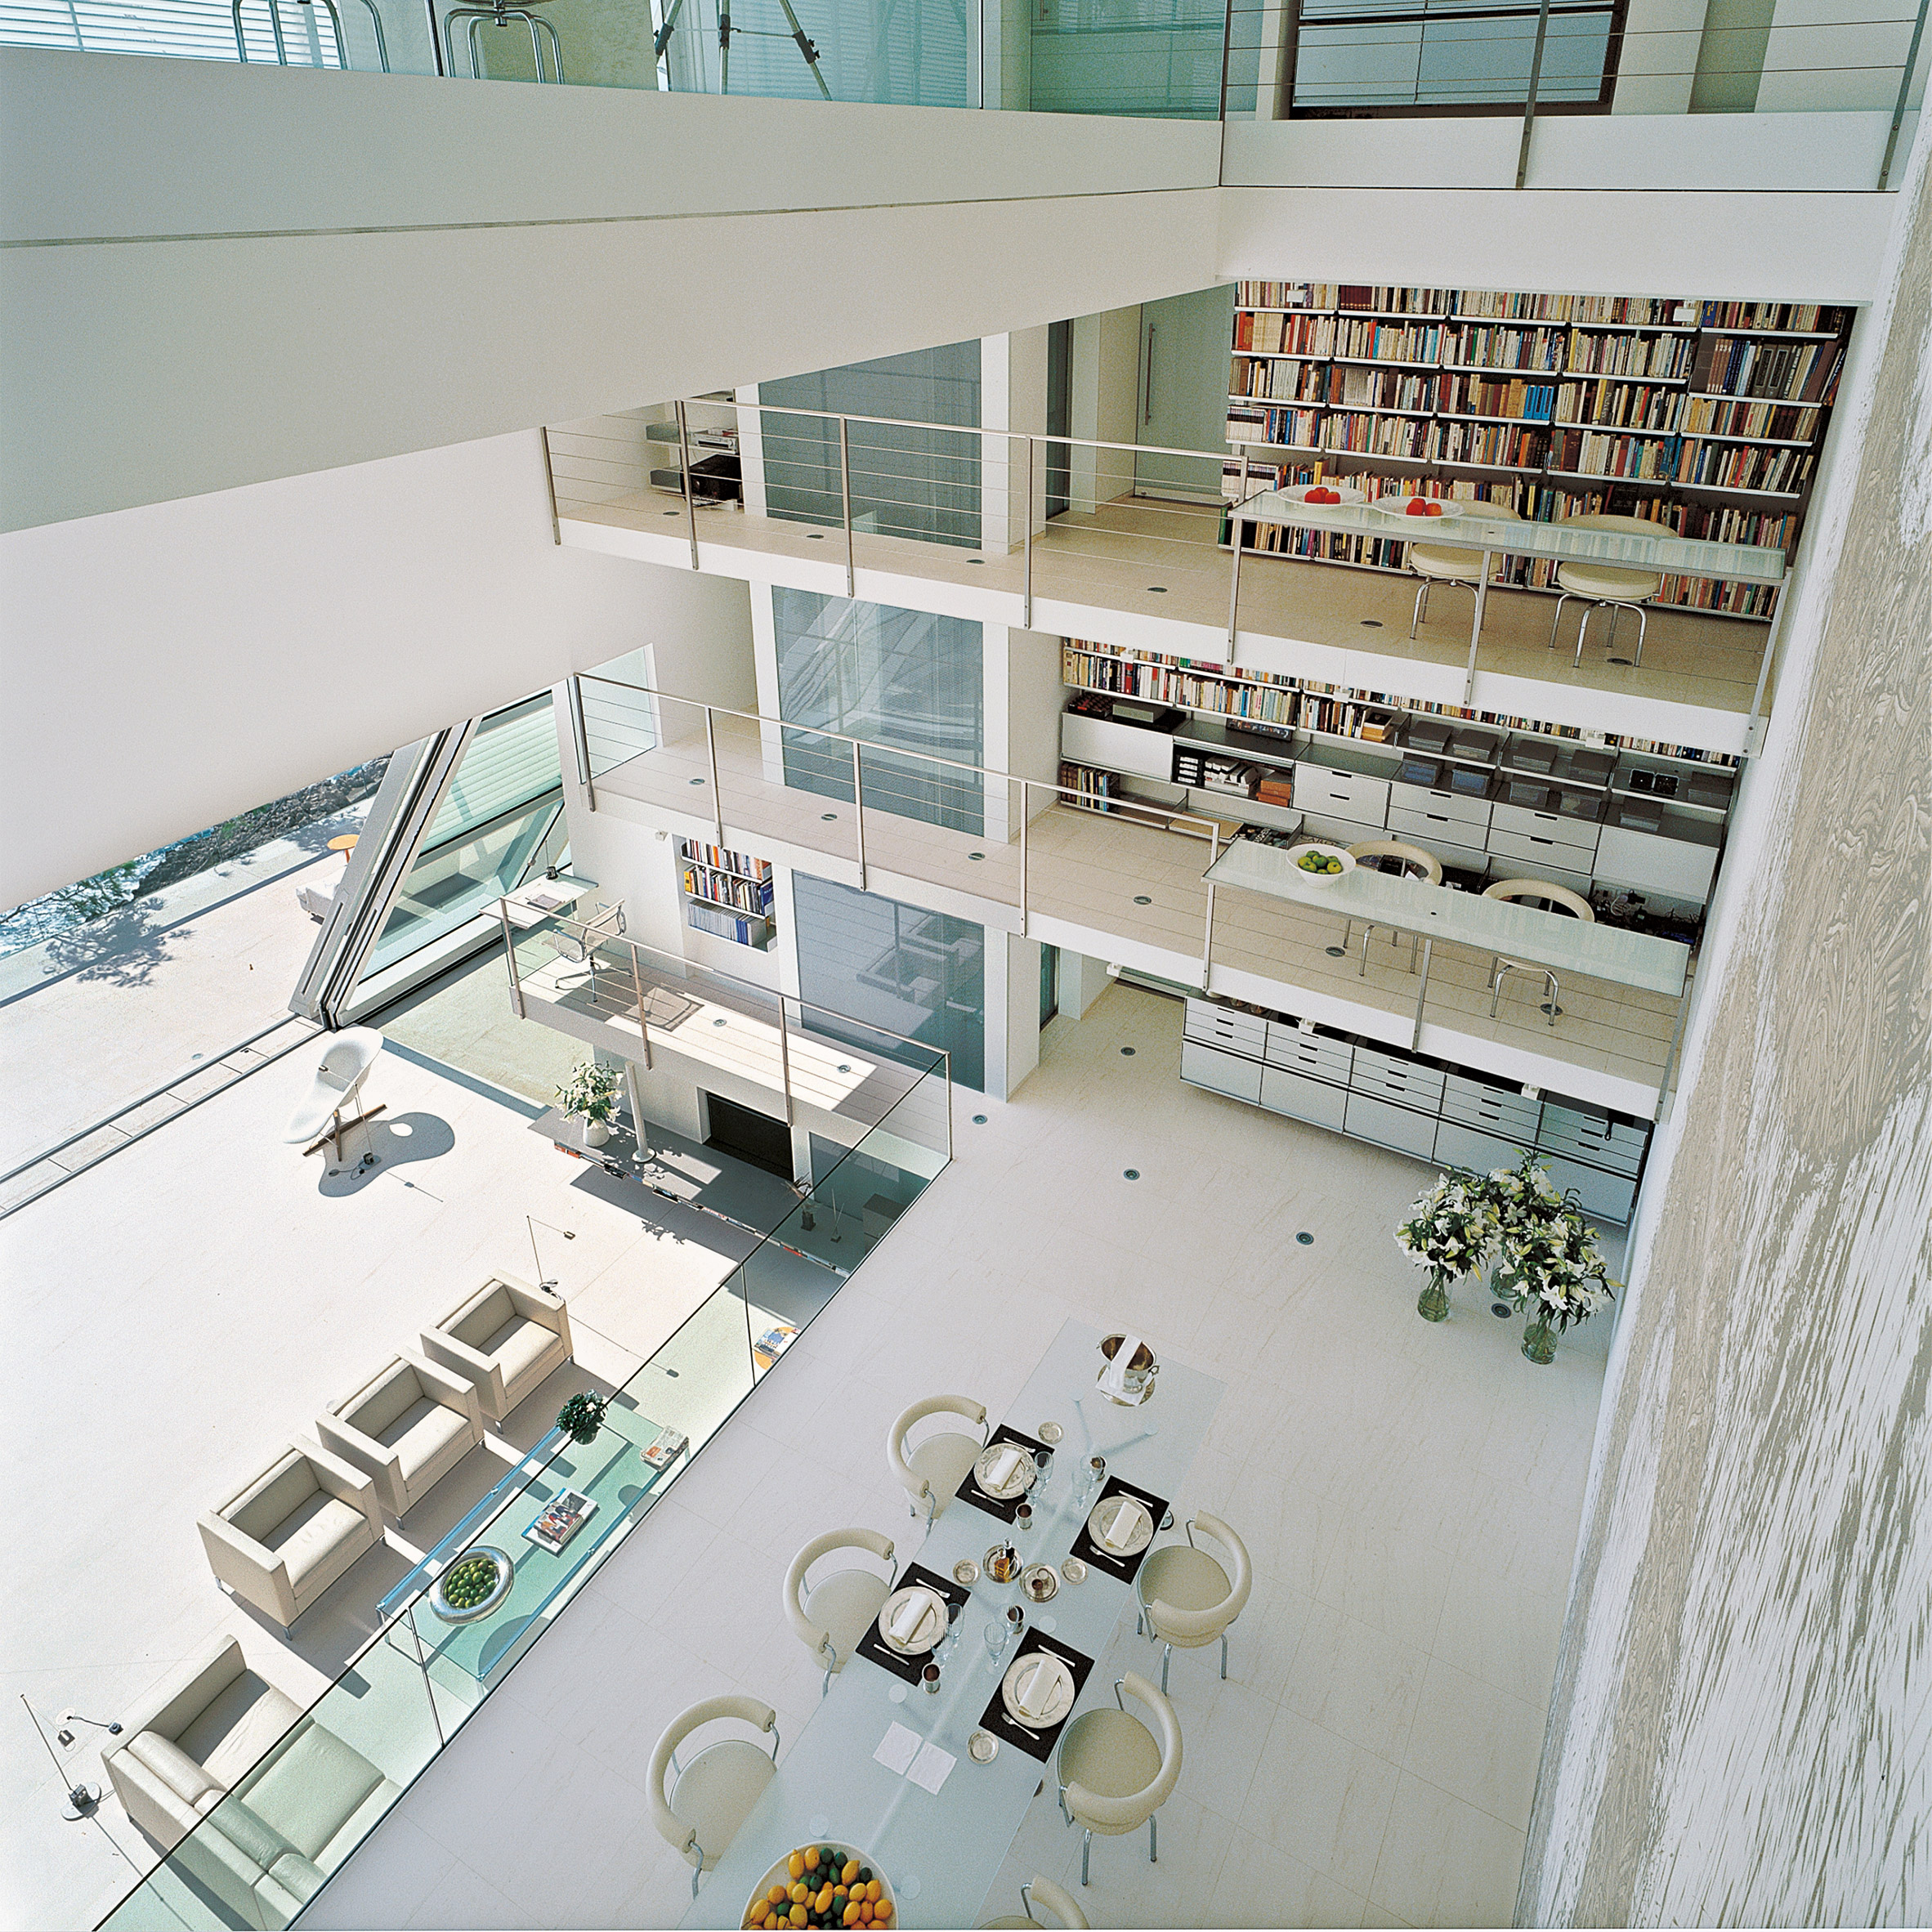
(1411,509)
(1341,493)
(863,1899)
(473,1585)
(1320,863)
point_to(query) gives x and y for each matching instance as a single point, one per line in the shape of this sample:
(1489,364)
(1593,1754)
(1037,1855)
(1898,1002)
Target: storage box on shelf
(1490,800)
(1707,418)
(728,894)
(1398,1101)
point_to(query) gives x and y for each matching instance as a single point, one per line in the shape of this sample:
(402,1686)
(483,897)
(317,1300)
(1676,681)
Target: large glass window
(903,678)
(501,818)
(919,973)
(906,482)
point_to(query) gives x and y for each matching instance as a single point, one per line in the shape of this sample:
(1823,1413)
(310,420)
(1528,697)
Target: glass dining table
(941,1850)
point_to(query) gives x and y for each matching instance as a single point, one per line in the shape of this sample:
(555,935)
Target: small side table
(345,845)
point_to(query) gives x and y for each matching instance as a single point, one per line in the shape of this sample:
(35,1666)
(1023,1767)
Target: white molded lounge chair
(338,1080)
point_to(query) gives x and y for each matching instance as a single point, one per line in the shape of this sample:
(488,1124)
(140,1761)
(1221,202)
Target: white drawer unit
(1223,1072)
(1674,868)
(1329,793)
(1469,816)
(1515,856)
(1610,1196)
(1552,827)
(1221,1025)
(1445,837)
(1458,1146)
(1389,1126)
(1390,1079)
(1132,748)
(1303,1099)
(1592,1137)
(1496,1109)
(1311,1054)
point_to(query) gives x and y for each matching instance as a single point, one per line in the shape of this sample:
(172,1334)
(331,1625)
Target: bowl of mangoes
(1320,862)
(820,1885)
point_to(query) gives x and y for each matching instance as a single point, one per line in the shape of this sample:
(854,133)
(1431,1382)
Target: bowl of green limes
(1320,863)
(473,1585)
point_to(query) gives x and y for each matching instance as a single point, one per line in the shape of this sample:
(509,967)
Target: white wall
(169,666)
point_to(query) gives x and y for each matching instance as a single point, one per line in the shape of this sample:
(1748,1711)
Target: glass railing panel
(1158,59)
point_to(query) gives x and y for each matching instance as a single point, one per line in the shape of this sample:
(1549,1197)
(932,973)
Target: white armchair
(504,1340)
(408,1428)
(1114,1773)
(256,1802)
(283,1538)
(832,1614)
(1187,1598)
(1056,1898)
(716,1790)
(932,1473)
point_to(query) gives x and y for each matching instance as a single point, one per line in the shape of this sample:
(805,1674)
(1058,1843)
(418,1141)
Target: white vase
(596,1132)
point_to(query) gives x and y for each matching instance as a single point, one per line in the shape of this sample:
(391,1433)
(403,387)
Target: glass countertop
(1686,557)
(1553,940)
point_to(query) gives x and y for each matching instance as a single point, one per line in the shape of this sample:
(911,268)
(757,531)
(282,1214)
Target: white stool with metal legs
(500,14)
(1606,586)
(335,23)
(1411,861)
(1550,897)
(1187,1598)
(1449,563)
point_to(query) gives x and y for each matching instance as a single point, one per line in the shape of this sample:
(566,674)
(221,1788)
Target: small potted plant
(1453,1226)
(582,1416)
(590,1094)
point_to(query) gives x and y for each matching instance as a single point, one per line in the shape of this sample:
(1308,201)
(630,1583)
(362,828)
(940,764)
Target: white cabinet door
(1390,1126)
(1674,867)
(1457,1146)
(1341,795)
(1225,1073)
(1303,1099)
(1608,1195)
(1131,748)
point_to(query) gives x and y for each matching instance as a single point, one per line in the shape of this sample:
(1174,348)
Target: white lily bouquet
(1546,1261)
(591,1092)
(1454,1225)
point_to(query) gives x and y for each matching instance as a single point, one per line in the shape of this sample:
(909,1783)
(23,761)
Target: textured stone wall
(1741,1730)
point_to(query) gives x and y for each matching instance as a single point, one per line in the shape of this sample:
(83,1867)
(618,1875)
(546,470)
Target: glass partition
(295,1816)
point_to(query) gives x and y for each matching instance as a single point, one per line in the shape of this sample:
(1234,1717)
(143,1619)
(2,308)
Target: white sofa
(407,1427)
(505,1338)
(274,1800)
(281,1540)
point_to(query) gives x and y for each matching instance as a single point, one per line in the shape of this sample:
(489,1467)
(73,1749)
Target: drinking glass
(929,1678)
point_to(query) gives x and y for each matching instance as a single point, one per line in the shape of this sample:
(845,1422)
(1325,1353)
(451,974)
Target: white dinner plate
(1055,1697)
(1298,494)
(1396,509)
(1128,1518)
(1016,1483)
(926,1632)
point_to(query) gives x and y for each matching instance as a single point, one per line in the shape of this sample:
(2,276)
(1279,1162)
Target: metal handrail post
(580,737)
(1227,44)
(1026,796)
(716,795)
(550,482)
(690,501)
(1912,60)
(1207,941)
(1421,994)
(858,804)
(502,907)
(1529,103)
(1027,619)
(643,1024)
(1234,575)
(851,574)
(784,1062)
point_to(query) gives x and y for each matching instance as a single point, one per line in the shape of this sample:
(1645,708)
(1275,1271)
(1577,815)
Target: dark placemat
(875,1647)
(1001,1723)
(969,1491)
(1125,1568)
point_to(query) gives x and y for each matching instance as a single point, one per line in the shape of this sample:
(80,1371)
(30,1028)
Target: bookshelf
(728,894)
(1704,416)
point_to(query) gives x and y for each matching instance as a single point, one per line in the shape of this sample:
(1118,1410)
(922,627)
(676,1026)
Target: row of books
(1780,372)
(1083,786)
(1745,466)
(1390,341)
(1606,312)
(720,859)
(1369,715)
(1477,395)
(726,888)
(1278,379)
(727,925)
(1642,311)
(1597,405)
(1351,386)
(1285,334)
(1632,354)
(1360,435)
(1784,423)
(1285,295)
(1488,347)
(1806,316)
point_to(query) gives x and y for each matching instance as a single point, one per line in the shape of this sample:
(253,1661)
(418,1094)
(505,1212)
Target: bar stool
(500,14)
(335,23)
(1551,897)
(1410,861)
(1451,563)
(1606,585)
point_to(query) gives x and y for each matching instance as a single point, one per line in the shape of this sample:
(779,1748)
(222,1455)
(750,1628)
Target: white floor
(1411,1495)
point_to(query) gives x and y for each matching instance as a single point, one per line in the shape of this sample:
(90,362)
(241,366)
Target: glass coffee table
(612,1470)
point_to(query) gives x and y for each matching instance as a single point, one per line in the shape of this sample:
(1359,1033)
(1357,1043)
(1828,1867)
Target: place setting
(1004,1472)
(1036,1694)
(913,1622)
(1119,1528)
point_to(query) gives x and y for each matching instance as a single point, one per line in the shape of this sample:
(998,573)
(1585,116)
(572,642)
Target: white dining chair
(1188,1600)
(1601,585)
(1451,563)
(932,1473)
(1405,861)
(832,1614)
(1114,1773)
(715,1789)
(1056,1898)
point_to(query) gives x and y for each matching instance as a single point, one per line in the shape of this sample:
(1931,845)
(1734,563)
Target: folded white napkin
(910,1616)
(1120,1525)
(999,1470)
(1113,1380)
(1037,1692)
